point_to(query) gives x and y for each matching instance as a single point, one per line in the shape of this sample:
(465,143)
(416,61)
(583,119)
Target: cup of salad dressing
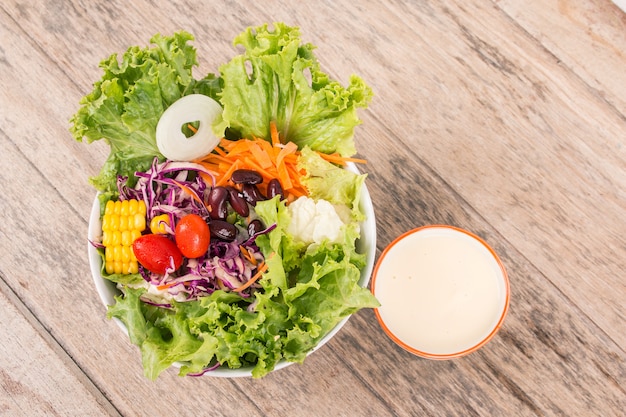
(443,291)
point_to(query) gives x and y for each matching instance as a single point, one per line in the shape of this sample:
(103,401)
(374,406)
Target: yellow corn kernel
(106,222)
(124,208)
(117,252)
(106,238)
(134,235)
(126,251)
(116,238)
(138,221)
(126,241)
(158,224)
(136,206)
(113,222)
(133,267)
(110,207)
(122,223)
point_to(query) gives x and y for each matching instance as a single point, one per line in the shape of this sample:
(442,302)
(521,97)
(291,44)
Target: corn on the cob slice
(122,223)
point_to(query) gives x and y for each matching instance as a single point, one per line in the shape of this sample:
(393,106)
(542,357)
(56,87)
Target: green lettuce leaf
(129,309)
(244,338)
(127,102)
(319,284)
(197,334)
(329,182)
(319,113)
(164,336)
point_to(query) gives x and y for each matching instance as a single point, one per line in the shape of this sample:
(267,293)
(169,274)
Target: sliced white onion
(173,143)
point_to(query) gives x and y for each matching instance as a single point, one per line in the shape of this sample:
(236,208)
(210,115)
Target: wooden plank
(37,378)
(575,30)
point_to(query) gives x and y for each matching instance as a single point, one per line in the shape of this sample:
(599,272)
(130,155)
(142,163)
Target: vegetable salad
(243,255)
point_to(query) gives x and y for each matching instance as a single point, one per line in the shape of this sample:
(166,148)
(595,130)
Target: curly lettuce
(126,103)
(270,81)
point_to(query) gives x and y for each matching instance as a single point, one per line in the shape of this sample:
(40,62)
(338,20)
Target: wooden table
(504,117)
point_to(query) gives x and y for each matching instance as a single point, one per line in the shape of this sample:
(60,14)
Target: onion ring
(173,143)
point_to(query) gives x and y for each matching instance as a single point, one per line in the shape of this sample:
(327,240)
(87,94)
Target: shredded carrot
(220,151)
(271,158)
(206,177)
(338,159)
(260,270)
(222,157)
(268,147)
(267,175)
(274,133)
(167,285)
(224,178)
(192,128)
(284,178)
(246,254)
(189,191)
(288,149)
(260,156)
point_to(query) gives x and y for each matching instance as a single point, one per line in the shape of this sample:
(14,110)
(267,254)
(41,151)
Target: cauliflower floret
(313,221)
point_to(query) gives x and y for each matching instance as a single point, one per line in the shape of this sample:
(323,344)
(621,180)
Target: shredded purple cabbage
(96,245)
(177,189)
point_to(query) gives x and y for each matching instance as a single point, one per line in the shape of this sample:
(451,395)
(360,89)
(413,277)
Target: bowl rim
(367,243)
(476,346)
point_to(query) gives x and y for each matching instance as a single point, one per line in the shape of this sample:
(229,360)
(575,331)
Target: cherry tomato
(192,236)
(157,253)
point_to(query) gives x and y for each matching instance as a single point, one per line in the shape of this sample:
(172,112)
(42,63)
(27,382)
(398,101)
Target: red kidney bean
(222,230)
(274,188)
(254,227)
(237,202)
(216,203)
(246,176)
(252,194)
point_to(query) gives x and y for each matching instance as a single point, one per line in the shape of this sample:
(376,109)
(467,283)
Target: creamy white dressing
(441,291)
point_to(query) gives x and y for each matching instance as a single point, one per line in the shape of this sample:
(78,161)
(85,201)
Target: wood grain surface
(504,117)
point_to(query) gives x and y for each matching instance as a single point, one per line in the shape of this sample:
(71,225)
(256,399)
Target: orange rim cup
(399,281)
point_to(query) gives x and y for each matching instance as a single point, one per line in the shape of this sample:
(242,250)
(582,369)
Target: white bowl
(366,244)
